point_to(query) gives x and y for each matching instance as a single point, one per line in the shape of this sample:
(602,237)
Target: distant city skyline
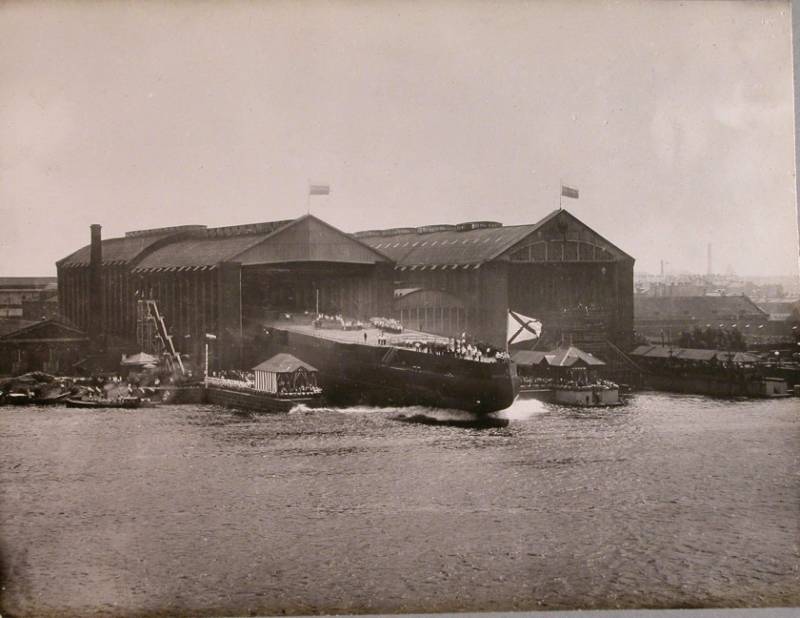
(673,120)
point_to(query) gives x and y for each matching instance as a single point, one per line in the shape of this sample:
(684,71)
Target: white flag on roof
(522,328)
(319,189)
(567,191)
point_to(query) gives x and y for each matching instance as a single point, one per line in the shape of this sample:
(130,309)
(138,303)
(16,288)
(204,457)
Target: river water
(669,501)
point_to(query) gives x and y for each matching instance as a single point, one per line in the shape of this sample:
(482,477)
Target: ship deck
(357,336)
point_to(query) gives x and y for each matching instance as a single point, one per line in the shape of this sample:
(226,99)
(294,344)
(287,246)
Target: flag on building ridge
(522,328)
(319,189)
(567,191)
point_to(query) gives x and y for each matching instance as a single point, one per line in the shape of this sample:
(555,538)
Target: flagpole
(508,316)
(560,193)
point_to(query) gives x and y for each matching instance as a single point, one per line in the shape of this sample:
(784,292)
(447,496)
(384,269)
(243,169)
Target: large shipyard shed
(455,278)
(221,280)
(445,279)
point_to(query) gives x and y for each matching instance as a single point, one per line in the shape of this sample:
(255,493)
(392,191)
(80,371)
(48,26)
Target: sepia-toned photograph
(333,307)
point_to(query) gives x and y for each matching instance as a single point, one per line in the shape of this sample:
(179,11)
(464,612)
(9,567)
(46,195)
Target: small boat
(25,399)
(47,401)
(126,402)
(18,399)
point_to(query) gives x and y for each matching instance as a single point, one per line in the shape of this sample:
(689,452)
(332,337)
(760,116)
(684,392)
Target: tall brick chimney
(96,326)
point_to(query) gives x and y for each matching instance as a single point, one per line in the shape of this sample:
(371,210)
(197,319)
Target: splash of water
(523,409)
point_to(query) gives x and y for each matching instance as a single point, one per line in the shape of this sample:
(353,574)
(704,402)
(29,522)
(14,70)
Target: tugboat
(276,385)
(382,364)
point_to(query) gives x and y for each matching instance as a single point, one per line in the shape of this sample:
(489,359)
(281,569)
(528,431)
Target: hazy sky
(674,119)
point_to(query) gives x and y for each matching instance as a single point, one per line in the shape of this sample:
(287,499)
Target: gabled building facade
(466,277)
(52,345)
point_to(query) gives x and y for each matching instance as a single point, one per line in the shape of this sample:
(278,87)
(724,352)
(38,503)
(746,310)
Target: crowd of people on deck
(298,385)
(337,322)
(287,384)
(389,325)
(237,375)
(569,379)
(464,348)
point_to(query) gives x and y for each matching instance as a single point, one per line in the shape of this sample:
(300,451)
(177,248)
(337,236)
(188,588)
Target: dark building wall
(48,356)
(188,300)
(581,302)
(461,283)
(558,294)
(623,335)
(195,302)
(482,292)
(491,304)
(73,290)
(117,303)
(554,287)
(432,311)
(665,318)
(354,290)
(229,314)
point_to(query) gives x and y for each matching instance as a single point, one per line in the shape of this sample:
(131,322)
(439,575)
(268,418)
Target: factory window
(539,252)
(555,251)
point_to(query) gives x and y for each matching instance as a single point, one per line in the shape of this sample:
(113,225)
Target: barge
(276,385)
(566,376)
(596,395)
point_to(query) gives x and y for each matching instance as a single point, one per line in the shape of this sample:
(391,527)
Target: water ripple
(669,501)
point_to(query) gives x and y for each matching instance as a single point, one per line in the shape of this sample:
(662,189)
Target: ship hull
(356,374)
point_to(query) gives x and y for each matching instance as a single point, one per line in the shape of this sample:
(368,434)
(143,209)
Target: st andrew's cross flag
(319,189)
(522,328)
(569,192)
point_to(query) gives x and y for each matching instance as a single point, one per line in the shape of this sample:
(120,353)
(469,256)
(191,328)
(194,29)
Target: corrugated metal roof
(567,357)
(28,282)
(528,357)
(642,350)
(560,357)
(283,363)
(658,351)
(441,248)
(696,354)
(142,358)
(115,251)
(198,252)
(454,248)
(29,327)
(12,325)
(744,357)
(448,247)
